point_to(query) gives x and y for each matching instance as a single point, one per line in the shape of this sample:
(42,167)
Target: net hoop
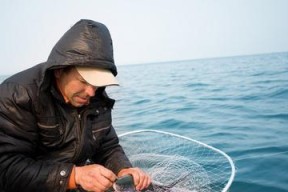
(233,170)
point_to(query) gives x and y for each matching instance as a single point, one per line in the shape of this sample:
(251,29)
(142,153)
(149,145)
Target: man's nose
(90,90)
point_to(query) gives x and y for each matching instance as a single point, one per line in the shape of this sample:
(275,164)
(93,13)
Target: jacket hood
(87,43)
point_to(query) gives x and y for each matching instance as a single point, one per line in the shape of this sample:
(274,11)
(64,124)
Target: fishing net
(177,163)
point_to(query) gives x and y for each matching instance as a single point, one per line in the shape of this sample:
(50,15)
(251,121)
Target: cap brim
(97,77)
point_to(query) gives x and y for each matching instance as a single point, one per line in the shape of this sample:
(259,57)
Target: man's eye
(83,82)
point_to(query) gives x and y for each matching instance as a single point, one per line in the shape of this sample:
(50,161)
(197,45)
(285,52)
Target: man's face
(74,89)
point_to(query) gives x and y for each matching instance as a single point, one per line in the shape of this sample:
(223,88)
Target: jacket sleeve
(112,154)
(19,168)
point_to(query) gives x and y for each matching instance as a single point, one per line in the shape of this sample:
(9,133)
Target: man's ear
(58,73)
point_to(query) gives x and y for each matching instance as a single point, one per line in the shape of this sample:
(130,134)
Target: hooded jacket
(42,137)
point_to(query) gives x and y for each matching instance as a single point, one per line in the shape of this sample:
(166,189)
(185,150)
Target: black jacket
(42,137)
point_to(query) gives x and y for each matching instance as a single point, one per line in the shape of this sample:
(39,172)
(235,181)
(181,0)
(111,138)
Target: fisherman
(56,131)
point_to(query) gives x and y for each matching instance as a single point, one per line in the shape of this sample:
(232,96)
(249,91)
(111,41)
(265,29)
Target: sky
(145,31)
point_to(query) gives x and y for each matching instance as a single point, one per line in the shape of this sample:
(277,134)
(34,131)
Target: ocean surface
(236,104)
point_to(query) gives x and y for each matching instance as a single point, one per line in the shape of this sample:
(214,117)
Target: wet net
(177,163)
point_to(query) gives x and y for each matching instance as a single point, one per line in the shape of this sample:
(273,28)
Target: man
(55,119)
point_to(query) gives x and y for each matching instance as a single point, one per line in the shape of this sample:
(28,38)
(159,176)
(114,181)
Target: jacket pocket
(98,134)
(50,135)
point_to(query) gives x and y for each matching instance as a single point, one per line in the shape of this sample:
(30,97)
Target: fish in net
(177,163)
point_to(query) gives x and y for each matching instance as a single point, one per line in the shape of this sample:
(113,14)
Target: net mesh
(177,163)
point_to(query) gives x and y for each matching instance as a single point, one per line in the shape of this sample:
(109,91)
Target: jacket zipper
(80,135)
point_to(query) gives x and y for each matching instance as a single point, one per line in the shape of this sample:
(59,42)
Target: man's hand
(94,178)
(141,179)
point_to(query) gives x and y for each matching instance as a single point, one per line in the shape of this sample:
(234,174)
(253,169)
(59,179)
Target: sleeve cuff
(71,182)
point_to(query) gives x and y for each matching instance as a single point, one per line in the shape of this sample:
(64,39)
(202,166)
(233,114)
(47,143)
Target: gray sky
(145,31)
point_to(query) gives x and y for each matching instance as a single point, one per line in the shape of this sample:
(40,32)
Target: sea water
(236,104)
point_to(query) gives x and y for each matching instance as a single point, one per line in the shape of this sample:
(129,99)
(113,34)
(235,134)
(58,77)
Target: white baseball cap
(97,77)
